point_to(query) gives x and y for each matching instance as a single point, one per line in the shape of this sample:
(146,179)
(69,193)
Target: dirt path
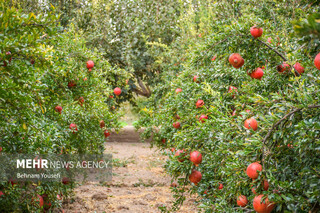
(139,183)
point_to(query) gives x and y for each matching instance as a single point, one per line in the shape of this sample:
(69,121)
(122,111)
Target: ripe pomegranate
(73,127)
(242,201)
(117,91)
(195,79)
(90,65)
(102,124)
(196,158)
(214,58)
(180,158)
(283,68)
(199,103)
(270,40)
(202,118)
(256,31)
(254,190)
(81,100)
(257,74)
(65,181)
(317,61)
(261,206)
(233,90)
(58,109)
(220,186)
(178,90)
(236,60)
(111,96)
(195,177)
(71,84)
(297,66)
(1,193)
(265,185)
(106,133)
(251,123)
(176,125)
(40,200)
(252,170)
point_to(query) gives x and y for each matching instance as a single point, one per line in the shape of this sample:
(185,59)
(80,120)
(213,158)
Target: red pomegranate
(256,31)
(220,186)
(102,124)
(73,127)
(178,90)
(117,91)
(214,58)
(47,205)
(236,60)
(254,190)
(178,153)
(261,206)
(195,79)
(176,125)
(40,200)
(233,90)
(203,118)
(58,109)
(199,103)
(195,177)
(283,68)
(317,61)
(106,133)
(251,123)
(242,201)
(81,100)
(65,181)
(1,193)
(90,65)
(297,66)
(71,84)
(257,74)
(196,158)
(252,170)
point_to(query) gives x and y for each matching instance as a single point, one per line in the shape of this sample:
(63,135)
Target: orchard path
(139,183)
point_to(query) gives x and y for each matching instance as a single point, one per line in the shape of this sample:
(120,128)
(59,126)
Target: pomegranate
(106,133)
(173,149)
(195,177)
(256,31)
(0,149)
(90,65)
(102,124)
(195,79)
(233,90)
(47,205)
(236,60)
(73,127)
(178,90)
(199,103)
(257,74)
(65,181)
(13,182)
(214,58)
(270,40)
(117,91)
(251,123)
(261,206)
(111,96)
(252,170)
(202,118)
(1,194)
(58,109)
(40,200)
(81,100)
(176,125)
(196,158)
(297,66)
(254,190)
(317,61)
(177,154)
(283,68)
(71,84)
(163,141)
(220,186)
(242,201)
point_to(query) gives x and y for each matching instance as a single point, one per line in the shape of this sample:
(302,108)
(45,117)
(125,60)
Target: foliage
(43,60)
(285,105)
